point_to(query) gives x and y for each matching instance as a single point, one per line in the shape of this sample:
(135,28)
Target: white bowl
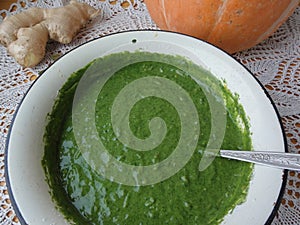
(28,189)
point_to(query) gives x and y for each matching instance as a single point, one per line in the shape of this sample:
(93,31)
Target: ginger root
(26,34)
(30,46)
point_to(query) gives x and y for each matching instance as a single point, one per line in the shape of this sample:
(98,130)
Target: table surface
(5,4)
(275,62)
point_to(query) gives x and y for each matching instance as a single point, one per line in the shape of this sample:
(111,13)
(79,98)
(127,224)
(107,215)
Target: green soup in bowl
(186,196)
(127,128)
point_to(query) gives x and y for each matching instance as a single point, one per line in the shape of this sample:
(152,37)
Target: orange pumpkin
(233,25)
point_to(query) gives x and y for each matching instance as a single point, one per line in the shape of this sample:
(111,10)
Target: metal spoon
(279,160)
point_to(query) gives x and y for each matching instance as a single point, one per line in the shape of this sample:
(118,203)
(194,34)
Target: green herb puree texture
(189,196)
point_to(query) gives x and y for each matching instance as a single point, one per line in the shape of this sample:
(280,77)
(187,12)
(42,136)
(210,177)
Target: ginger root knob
(29,47)
(26,34)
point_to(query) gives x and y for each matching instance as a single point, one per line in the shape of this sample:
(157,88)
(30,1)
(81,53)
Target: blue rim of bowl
(285,172)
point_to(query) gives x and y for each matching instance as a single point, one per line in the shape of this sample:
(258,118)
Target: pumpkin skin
(232,25)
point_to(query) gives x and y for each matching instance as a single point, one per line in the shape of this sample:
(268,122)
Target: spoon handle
(280,160)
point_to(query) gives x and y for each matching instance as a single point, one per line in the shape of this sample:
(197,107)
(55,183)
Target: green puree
(189,196)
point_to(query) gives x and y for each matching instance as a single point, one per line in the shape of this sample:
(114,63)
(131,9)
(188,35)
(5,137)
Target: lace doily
(275,62)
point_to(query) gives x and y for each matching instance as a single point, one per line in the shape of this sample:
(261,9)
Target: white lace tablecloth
(275,62)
